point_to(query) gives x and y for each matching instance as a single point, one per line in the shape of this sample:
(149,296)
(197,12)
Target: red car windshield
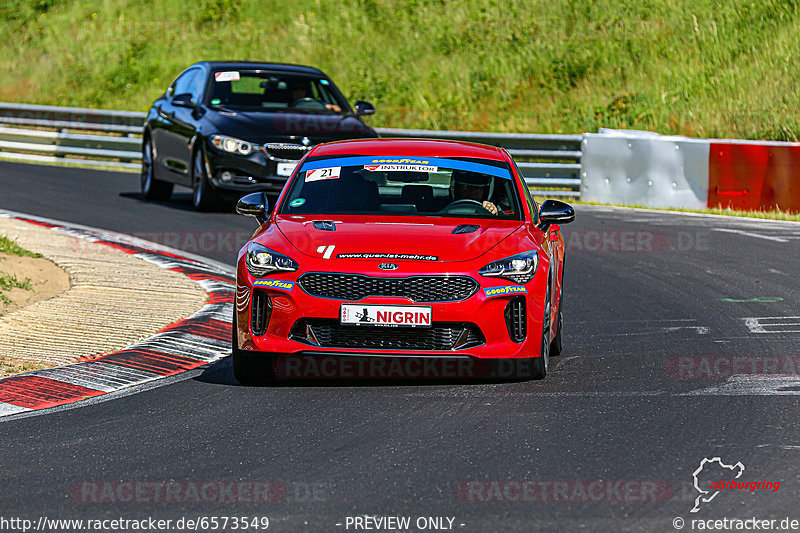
(404,186)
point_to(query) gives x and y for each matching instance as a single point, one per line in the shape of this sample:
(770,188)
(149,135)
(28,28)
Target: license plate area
(413,316)
(285,169)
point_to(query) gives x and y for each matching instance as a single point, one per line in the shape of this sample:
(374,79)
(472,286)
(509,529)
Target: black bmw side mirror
(555,212)
(183,100)
(363,108)
(254,205)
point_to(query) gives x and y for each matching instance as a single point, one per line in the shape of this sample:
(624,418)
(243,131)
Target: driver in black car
(299,89)
(471,186)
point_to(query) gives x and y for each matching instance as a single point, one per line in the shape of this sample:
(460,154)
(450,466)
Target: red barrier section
(754,176)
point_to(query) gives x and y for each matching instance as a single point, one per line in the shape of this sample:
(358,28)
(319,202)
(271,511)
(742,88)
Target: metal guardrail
(72,135)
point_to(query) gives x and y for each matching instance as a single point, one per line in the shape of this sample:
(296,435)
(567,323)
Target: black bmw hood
(260,127)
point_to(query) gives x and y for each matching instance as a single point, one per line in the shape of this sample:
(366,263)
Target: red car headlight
(518,268)
(261,261)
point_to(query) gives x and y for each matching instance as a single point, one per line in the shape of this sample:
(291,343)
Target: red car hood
(395,237)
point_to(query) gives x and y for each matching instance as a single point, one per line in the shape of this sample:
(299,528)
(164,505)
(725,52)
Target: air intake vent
(466,228)
(325,225)
(259,312)
(516,319)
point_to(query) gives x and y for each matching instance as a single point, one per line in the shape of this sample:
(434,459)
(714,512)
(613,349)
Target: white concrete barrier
(644,168)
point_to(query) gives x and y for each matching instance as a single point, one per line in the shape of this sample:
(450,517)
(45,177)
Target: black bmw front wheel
(152,188)
(203,196)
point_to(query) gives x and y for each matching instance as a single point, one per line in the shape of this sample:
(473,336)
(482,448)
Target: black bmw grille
(354,287)
(286,152)
(329,333)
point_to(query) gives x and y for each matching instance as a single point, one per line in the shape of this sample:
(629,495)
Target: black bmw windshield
(404,186)
(256,90)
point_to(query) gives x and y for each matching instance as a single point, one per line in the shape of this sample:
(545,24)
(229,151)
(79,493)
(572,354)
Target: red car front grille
(442,336)
(353,287)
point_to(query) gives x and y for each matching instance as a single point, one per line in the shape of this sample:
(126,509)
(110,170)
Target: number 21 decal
(319,174)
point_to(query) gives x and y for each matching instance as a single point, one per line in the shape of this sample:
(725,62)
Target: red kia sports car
(401,248)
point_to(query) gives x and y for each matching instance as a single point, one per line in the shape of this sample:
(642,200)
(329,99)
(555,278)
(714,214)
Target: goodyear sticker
(401,161)
(505,290)
(278,284)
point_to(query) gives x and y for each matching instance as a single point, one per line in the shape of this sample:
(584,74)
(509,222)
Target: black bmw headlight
(231,145)
(261,261)
(519,268)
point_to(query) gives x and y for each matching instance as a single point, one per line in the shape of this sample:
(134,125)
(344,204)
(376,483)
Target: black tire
(152,188)
(536,367)
(203,196)
(250,368)
(555,346)
(542,363)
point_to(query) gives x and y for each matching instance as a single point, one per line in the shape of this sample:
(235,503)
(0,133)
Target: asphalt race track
(668,359)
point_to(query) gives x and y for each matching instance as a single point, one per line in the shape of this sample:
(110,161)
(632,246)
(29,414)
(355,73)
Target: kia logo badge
(387,266)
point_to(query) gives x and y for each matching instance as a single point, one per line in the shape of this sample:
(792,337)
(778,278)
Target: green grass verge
(703,68)
(10,367)
(10,247)
(8,282)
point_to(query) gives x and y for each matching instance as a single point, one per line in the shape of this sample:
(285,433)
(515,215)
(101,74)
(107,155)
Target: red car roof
(410,147)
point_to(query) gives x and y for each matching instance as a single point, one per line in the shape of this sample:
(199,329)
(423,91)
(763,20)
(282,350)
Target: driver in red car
(471,186)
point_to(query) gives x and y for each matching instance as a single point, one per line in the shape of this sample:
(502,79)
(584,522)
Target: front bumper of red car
(290,321)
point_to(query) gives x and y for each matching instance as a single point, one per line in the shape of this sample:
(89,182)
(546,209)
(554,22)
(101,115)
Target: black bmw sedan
(224,128)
